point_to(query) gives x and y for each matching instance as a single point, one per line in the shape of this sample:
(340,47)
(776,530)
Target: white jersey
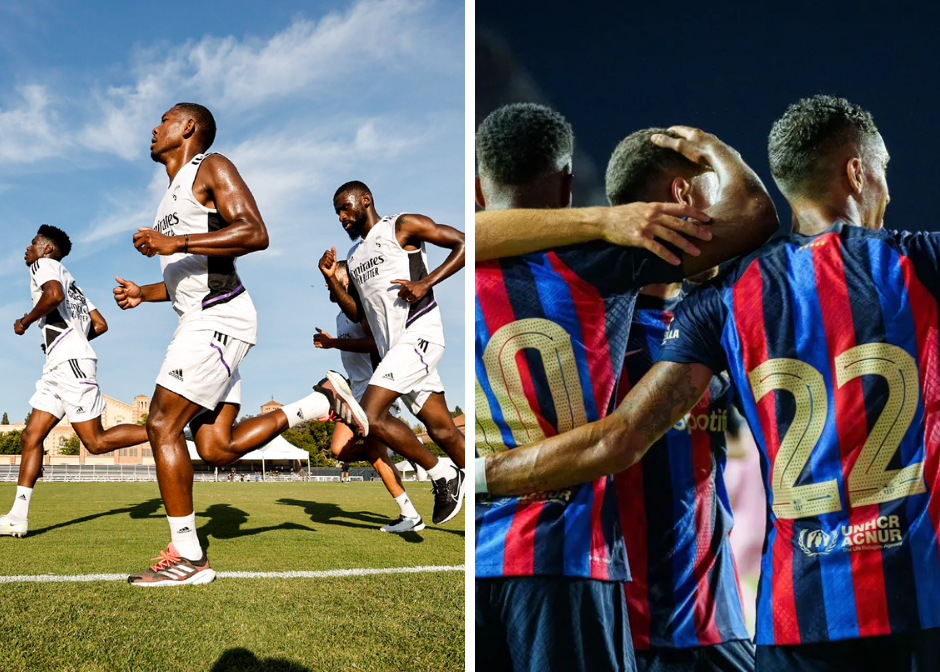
(359,365)
(203,289)
(64,330)
(373,263)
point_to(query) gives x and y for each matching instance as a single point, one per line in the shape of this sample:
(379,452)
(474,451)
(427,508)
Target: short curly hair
(59,239)
(637,163)
(521,142)
(807,134)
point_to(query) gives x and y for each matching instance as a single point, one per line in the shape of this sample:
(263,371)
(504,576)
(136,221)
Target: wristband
(186,244)
(480,476)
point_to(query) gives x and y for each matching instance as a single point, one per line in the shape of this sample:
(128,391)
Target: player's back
(551,333)
(831,342)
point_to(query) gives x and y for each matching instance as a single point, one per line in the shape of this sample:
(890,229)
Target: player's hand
(693,143)
(321,339)
(412,290)
(18,327)
(150,242)
(328,263)
(646,224)
(127,294)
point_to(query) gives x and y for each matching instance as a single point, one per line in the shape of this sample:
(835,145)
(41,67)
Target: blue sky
(306,96)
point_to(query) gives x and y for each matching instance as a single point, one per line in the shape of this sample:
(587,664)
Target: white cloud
(28,130)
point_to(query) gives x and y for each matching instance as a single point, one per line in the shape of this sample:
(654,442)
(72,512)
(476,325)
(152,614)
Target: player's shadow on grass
(225,522)
(243,660)
(137,512)
(331,514)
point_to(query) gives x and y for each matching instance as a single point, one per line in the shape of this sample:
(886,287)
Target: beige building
(270,406)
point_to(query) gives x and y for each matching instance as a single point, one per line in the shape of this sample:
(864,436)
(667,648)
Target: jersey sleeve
(694,335)
(616,270)
(923,249)
(44,270)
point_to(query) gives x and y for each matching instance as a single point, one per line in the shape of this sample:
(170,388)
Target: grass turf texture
(382,622)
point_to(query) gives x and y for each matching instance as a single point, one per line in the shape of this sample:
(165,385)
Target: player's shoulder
(411,219)
(46,265)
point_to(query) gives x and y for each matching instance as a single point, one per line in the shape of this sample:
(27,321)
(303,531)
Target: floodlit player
(685,608)
(551,337)
(830,338)
(360,357)
(206,219)
(69,386)
(390,286)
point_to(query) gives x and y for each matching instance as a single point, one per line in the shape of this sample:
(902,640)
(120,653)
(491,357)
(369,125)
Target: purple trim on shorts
(82,382)
(57,341)
(427,369)
(222,357)
(420,313)
(224,296)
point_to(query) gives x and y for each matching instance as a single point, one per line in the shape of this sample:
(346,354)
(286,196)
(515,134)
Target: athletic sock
(183,536)
(440,470)
(311,407)
(407,508)
(20,511)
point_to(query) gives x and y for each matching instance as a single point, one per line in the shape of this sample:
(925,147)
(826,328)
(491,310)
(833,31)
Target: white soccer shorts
(202,365)
(410,368)
(71,388)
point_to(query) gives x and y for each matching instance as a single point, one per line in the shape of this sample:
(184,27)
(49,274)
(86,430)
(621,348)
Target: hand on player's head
(693,143)
(645,225)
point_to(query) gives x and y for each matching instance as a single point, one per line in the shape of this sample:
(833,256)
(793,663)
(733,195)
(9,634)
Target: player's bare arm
(52,296)
(743,216)
(346,301)
(98,325)
(509,233)
(218,185)
(130,295)
(322,339)
(610,445)
(411,231)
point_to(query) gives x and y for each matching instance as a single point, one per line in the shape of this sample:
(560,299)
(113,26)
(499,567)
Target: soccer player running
(551,338)
(685,608)
(68,320)
(360,356)
(206,218)
(390,286)
(830,338)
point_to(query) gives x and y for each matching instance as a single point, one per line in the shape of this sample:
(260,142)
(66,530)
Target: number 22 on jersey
(870,481)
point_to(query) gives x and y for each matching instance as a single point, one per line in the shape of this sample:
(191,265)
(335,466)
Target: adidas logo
(23,497)
(184,530)
(79,410)
(300,414)
(388,376)
(178,374)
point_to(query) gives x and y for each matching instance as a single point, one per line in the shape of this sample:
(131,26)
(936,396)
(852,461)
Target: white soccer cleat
(343,404)
(404,524)
(10,528)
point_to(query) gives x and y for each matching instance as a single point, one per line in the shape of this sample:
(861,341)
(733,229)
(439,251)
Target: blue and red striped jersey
(831,343)
(675,513)
(551,333)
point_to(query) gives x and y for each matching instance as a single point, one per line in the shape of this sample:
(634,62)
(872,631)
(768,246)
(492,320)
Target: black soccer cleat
(448,496)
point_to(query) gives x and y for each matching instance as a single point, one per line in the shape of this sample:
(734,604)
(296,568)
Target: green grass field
(377,622)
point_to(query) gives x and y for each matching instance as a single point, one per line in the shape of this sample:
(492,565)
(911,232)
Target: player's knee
(31,441)
(95,448)
(443,436)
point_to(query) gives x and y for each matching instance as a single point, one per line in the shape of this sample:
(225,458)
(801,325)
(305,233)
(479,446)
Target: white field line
(326,574)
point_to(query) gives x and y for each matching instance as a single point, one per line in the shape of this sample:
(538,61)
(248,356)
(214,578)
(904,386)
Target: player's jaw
(354,224)
(33,252)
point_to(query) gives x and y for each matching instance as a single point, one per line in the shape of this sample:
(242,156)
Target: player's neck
(176,159)
(810,219)
(372,218)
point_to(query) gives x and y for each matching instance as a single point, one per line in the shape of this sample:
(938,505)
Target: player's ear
(855,174)
(681,191)
(189,128)
(478,194)
(366,201)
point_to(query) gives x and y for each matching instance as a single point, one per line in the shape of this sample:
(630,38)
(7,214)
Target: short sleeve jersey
(831,344)
(551,332)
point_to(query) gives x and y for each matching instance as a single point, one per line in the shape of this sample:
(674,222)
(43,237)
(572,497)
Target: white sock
(20,510)
(311,407)
(407,508)
(183,535)
(440,470)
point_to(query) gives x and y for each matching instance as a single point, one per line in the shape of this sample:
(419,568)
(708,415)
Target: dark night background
(731,70)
